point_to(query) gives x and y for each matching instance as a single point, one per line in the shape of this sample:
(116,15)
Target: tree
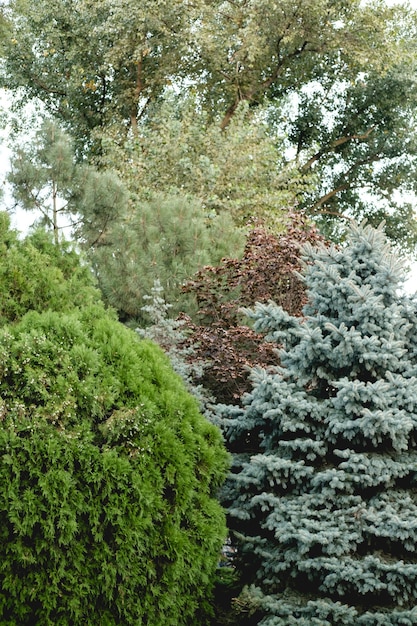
(94,64)
(240,170)
(321,499)
(131,238)
(335,80)
(100,59)
(357,151)
(108,475)
(165,239)
(254,52)
(45,178)
(346,105)
(221,336)
(171,335)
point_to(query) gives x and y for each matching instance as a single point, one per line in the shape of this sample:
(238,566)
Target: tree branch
(346,185)
(136,96)
(263,86)
(40,83)
(338,142)
(328,196)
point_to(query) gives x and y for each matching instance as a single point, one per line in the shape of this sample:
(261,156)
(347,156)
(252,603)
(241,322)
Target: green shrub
(37,275)
(107,479)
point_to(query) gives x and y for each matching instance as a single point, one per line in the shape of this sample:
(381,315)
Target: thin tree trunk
(55,213)
(137,95)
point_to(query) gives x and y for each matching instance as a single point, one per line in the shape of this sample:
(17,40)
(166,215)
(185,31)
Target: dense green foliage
(322,497)
(166,239)
(327,88)
(108,471)
(188,122)
(131,235)
(241,171)
(36,275)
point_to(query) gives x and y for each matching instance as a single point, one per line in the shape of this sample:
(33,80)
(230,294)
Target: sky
(22,220)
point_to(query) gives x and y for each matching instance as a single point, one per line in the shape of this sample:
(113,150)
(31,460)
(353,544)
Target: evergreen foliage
(171,335)
(322,495)
(165,239)
(108,475)
(45,178)
(37,275)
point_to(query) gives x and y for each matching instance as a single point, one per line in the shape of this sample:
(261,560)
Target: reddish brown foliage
(265,272)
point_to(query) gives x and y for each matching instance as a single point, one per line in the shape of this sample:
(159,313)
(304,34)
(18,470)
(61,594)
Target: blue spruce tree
(322,499)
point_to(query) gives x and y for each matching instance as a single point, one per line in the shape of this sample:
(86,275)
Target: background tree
(258,52)
(42,175)
(113,57)
(131,238)
(322,494)
(45,178)
(109,471)
(220,334)
(335,80)
(319,70)
(165,239)
(240,170)
(358,151)
(94,64)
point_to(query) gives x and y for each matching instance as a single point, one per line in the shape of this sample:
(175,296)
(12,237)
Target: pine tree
(322,499)
(46,180)
(167,238)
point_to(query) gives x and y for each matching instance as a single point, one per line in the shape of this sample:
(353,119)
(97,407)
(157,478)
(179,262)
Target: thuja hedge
(37,275)
(107,479)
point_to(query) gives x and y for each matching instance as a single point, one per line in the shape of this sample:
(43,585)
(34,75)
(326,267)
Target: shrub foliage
(37,275)
(108,474)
